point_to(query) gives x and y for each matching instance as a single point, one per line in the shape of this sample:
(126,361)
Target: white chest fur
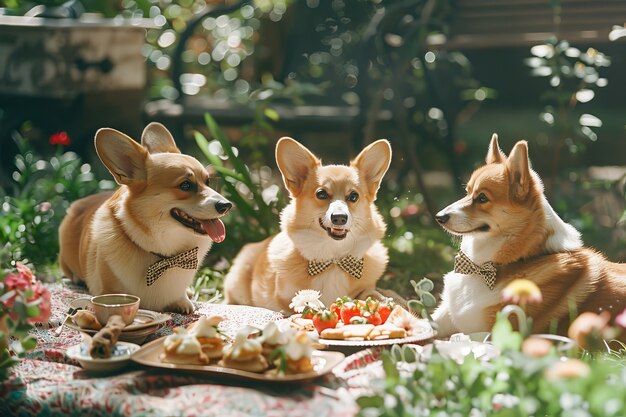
(330,283)
(466,297)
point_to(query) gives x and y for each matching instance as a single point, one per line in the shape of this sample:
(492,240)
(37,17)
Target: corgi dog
(506,224)
(149,236)
(330,232)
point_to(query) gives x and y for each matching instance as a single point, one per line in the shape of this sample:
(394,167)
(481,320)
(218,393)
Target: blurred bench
(516,23)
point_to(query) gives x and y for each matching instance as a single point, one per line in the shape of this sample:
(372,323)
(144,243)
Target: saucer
(143,319)
(133,336)
(120,357)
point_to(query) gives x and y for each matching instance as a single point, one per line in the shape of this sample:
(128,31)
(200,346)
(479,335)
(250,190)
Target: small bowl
(120,357)
(107,305)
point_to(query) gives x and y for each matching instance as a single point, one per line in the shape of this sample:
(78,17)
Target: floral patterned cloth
(47,382)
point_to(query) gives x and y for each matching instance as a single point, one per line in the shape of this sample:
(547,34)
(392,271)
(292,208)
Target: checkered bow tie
(349,264)
(464,265)
(184,260)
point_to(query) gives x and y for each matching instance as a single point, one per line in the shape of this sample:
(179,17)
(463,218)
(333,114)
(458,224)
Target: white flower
(305,298)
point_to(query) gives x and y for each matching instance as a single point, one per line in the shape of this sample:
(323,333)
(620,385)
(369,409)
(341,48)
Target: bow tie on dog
(349,264)
(185,260)
(464,265)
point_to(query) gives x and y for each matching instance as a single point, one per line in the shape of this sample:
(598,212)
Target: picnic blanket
(47,382)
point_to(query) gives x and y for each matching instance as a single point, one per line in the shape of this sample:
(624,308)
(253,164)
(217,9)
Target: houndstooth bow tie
(464,265)
(349,264)
(185,260)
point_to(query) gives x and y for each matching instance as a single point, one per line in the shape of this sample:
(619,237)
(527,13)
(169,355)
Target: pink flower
(45,207)
(588,330)
(536,347)
(24,271)
(42,294)
(620,319)
(19,282)
(567,369)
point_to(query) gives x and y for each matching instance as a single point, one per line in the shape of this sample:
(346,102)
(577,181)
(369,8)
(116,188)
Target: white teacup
(107,305)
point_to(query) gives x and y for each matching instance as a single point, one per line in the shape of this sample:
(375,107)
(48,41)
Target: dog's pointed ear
(123,157)
(295,162)
(518,169)
(372,164)
(157,139)
(495,154)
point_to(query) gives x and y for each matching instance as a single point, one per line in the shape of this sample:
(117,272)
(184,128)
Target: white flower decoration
(305,298)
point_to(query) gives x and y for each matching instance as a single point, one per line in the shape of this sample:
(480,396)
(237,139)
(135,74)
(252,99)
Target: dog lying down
(148,237)
(506,225)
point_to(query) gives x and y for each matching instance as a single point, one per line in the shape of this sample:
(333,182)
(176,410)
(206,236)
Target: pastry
(86,319)
(103,342)
(298,353)
(244,354)
(348,332)
(386,331)
(181,347)
(301,323)
(273,337)
(209,337)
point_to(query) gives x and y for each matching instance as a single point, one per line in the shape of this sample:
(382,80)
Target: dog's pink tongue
(215,229)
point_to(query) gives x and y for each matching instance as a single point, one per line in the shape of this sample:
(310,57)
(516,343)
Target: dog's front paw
(182,306)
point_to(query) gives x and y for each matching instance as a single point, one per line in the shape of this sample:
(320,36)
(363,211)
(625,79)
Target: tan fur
(269,273)
(109,240)
(518,231)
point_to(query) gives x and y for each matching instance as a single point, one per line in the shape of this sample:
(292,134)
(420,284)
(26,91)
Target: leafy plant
(253,191)
(42,190)
(573,76)
(513,384)
(528,377)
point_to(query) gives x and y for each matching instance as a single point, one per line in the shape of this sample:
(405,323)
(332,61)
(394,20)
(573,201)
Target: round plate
(133,336)
(422,334)
(122,352)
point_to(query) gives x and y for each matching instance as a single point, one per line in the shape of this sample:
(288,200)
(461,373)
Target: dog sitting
(507,226)
(148,237)
(330,232)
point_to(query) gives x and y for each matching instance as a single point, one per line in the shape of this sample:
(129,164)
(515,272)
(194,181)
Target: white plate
(120,357)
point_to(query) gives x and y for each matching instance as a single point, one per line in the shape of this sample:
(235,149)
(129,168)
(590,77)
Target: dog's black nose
(442,218)
(223,206)
(339,219)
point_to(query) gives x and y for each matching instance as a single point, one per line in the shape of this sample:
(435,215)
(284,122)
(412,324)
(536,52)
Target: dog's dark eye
(482,199)
(185,185)
(321,194)
(353,196)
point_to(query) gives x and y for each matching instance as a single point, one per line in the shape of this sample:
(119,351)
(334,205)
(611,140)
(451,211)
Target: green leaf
(32,310)
(426,285)
(503,335)
(429,300)
(396,353)
(271,114)
(408,354)
(375,401)
(390,367)
(415,305)
(29,343)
